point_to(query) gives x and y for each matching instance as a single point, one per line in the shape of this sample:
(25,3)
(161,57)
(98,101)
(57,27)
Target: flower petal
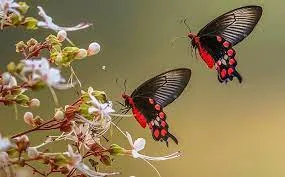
(130,139)
(135,154)
(139,144)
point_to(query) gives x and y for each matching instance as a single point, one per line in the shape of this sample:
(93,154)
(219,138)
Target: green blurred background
(232,130)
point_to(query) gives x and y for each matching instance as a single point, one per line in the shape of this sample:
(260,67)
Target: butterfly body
(129,102)
(205,55)
(149,99)
(215,41)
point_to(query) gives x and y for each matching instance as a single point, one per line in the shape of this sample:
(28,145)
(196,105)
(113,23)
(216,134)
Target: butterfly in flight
(149,99)
(215,41)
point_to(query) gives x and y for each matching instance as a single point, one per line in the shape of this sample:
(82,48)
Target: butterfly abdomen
(136,112)
(139,116)
(205,55)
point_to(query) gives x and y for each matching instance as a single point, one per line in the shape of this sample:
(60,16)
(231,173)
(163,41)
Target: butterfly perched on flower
(215,41)
(149,99)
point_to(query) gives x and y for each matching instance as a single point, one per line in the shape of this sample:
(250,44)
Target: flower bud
(93,49)
(23,100)
(29,118)
(116,150)
(32,152)
(23,7)
(82,53)
(34,103)
(32,42)
(22,142)
(11,67)
(20,46)
(61,35)
(59,115)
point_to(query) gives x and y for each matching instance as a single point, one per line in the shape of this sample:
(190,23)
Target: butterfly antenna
(117,82)
(187,25)
(175,38)
(125,85)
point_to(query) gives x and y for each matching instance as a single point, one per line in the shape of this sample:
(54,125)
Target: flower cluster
(82,126)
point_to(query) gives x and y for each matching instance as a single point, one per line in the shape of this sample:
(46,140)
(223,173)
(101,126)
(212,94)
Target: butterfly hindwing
(155,118)
(223,55)
(235,25)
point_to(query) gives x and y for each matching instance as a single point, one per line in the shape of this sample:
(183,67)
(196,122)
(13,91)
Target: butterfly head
(128,100)
(191,35)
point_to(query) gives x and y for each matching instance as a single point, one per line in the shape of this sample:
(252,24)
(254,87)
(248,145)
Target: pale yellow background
(233,130)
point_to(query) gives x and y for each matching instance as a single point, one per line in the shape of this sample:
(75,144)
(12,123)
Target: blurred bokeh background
(224,130)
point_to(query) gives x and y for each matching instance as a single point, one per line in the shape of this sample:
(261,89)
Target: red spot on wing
(208,59)
(223,73)
(230,52)
(161,115)
(163,132)
(230,71)
(219,39)
(157,107)
(232,61)
(151,101)
(226,44)
(156,133)
(163,124)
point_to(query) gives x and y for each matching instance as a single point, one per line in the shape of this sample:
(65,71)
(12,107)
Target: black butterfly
(149,99)
(214,42)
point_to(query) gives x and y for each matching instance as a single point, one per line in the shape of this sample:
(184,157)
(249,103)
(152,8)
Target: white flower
(75,158)
(4,143)
(41,70)
(48,23)
(104,109)
(4,163)
(9,80)
(76,162)
(139,145)
(8,6)
(82,135)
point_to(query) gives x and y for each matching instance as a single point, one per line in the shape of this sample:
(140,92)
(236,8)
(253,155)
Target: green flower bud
(116,150)
(53,40)
(16,19)
(30,23)
(83,110)
(11,67)
(23,100)
(70,52)
(23,7)
(100,95)
(19,67)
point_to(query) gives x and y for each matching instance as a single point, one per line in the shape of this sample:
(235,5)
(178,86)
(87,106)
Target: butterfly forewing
(164,88)
(235,25)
